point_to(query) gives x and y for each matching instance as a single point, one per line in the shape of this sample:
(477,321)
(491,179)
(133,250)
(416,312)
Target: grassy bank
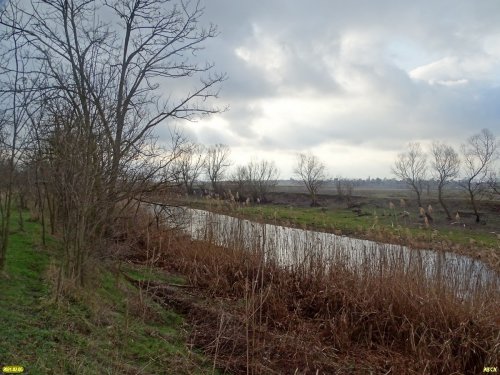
(345,221)
(110,327)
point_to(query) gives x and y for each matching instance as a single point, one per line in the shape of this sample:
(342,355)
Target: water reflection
(291,247)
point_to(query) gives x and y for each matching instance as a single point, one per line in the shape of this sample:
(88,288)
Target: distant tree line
(474,168)
(200,164)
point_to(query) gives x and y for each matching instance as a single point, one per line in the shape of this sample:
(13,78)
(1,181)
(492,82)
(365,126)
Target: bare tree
(479,154)
(257,178)
(339,186)
(239,178)
(190,165)
(263,177)
(15,99)
(494,183)
(216,164)
(104,83)
(312,172)
(411,167)
(344,188)
(446,166)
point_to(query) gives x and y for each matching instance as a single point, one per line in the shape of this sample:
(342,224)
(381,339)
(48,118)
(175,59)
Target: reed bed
(304,309)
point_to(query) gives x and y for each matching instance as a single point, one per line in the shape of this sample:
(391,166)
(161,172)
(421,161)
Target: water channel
(291,246)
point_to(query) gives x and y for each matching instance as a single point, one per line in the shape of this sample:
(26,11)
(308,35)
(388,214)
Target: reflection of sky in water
(290,246)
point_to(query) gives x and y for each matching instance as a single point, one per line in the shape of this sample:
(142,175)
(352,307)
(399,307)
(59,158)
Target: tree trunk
(419,200)
(314,200)
(474,206)
(441,202)
(5,228)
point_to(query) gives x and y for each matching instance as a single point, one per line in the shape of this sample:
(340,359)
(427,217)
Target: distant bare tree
(190,165)
(312,172)
(240,181)
(479,154)
(257,178)
(411,167)
(446,166)
(216,164)
(344,188)
(339,186)
(264,176)
(172,153)
(494,183)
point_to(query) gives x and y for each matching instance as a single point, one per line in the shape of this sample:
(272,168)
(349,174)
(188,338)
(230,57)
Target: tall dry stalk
(388,302)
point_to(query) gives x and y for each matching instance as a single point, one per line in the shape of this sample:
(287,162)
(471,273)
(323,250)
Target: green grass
(108,328)
(146,273)
(377,224)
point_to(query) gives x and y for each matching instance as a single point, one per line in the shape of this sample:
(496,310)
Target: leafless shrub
(478,154)
(411,167)
(344,188)
(312,173)
(256,179)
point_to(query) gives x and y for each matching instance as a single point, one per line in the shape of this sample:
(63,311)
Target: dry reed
(320,314)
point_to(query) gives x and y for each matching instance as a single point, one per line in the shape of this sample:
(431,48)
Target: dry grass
(321,315)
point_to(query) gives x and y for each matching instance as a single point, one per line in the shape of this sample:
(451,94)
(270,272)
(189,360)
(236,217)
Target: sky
(351,81)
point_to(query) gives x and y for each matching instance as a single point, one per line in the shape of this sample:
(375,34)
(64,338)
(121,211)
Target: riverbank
(110,327)
(376,225)
(169,304)
(318,316)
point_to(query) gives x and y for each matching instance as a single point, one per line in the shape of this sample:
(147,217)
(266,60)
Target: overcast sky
(351,81)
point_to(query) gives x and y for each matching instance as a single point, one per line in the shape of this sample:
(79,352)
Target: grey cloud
(400,35)
(211,136)
(241,116)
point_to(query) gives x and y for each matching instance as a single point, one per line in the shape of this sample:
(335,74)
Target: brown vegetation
(322,316)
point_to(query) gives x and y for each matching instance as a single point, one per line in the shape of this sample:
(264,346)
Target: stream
(291,246)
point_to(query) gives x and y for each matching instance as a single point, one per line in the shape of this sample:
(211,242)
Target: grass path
(109,328)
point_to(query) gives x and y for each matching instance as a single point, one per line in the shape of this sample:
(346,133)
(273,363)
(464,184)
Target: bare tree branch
(411,167)
(479,154)
(312,172)
(446,167)
(216,164)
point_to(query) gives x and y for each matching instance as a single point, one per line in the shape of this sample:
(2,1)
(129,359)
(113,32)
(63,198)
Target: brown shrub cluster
(324,316)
